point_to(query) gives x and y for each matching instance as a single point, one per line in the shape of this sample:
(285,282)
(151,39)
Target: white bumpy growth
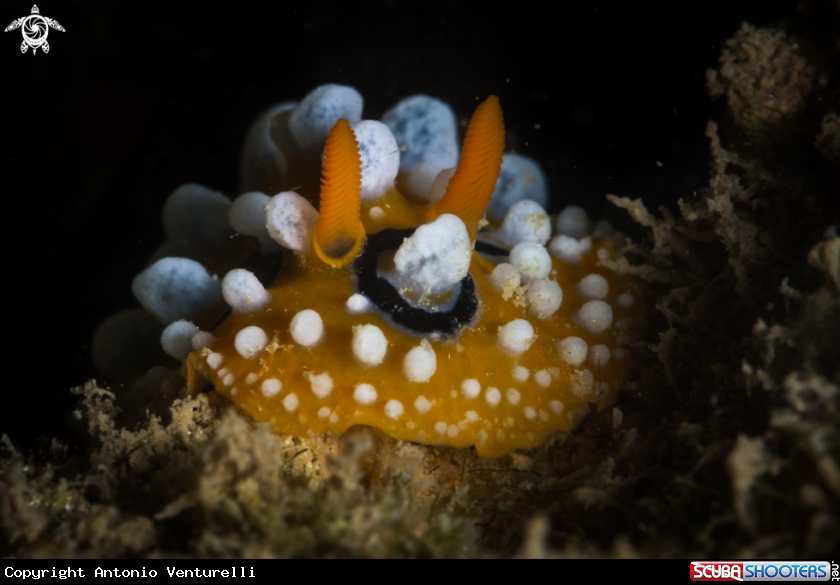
(247,216)
(429,265)
(380,157)
(244,292)
(176,339)
(290,220)
(525,221)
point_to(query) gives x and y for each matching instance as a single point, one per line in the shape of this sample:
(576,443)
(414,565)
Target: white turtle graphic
(35,30)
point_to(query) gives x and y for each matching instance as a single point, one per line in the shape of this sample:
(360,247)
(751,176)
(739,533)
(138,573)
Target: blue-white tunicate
(127,344)
(521,178)
(427,128)
(318,112)
(263,162)
(195,220)
(176,339)
(380,157)
(573,222)
(247,216)
(177,288)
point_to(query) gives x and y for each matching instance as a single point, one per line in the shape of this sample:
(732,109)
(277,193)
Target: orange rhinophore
(339,234)
(474,181)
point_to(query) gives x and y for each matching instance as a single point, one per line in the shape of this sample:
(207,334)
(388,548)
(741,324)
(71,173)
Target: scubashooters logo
(761,571)
(35,29)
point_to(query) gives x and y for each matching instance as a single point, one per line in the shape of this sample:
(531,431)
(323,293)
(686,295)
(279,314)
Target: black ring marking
(388,300)
(490,249)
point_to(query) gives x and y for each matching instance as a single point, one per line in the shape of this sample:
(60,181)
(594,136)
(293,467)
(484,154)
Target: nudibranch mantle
(542,343)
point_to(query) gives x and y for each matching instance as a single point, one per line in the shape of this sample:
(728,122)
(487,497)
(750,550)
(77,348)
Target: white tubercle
(542,378)
(470,388)
(599,355)
(520,374)
(271,387)
(493,396)
(573,222)
(515,337)
(244,292)
(625,300)
(602,229)
(202,339)
(215,360)
(422,405)
(532,261)
(525,221)
(505,279)
(249,341)
(247,216)
(593,286)
(420,362)
(369,344)
(429,264)
(364,394)
(572,350)
(569,249)
(318,112)
(595,316)
(290,402)
(357,304)
(290,219)
(380,157)
(307,328)
(394,409)
(322,384)
(544,298)
(176,339)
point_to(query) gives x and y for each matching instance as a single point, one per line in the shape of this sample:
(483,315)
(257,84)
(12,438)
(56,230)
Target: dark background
(135,99)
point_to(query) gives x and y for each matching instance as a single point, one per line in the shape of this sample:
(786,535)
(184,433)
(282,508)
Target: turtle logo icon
(35,29)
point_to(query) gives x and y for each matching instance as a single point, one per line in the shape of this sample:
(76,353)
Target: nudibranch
(414,314)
